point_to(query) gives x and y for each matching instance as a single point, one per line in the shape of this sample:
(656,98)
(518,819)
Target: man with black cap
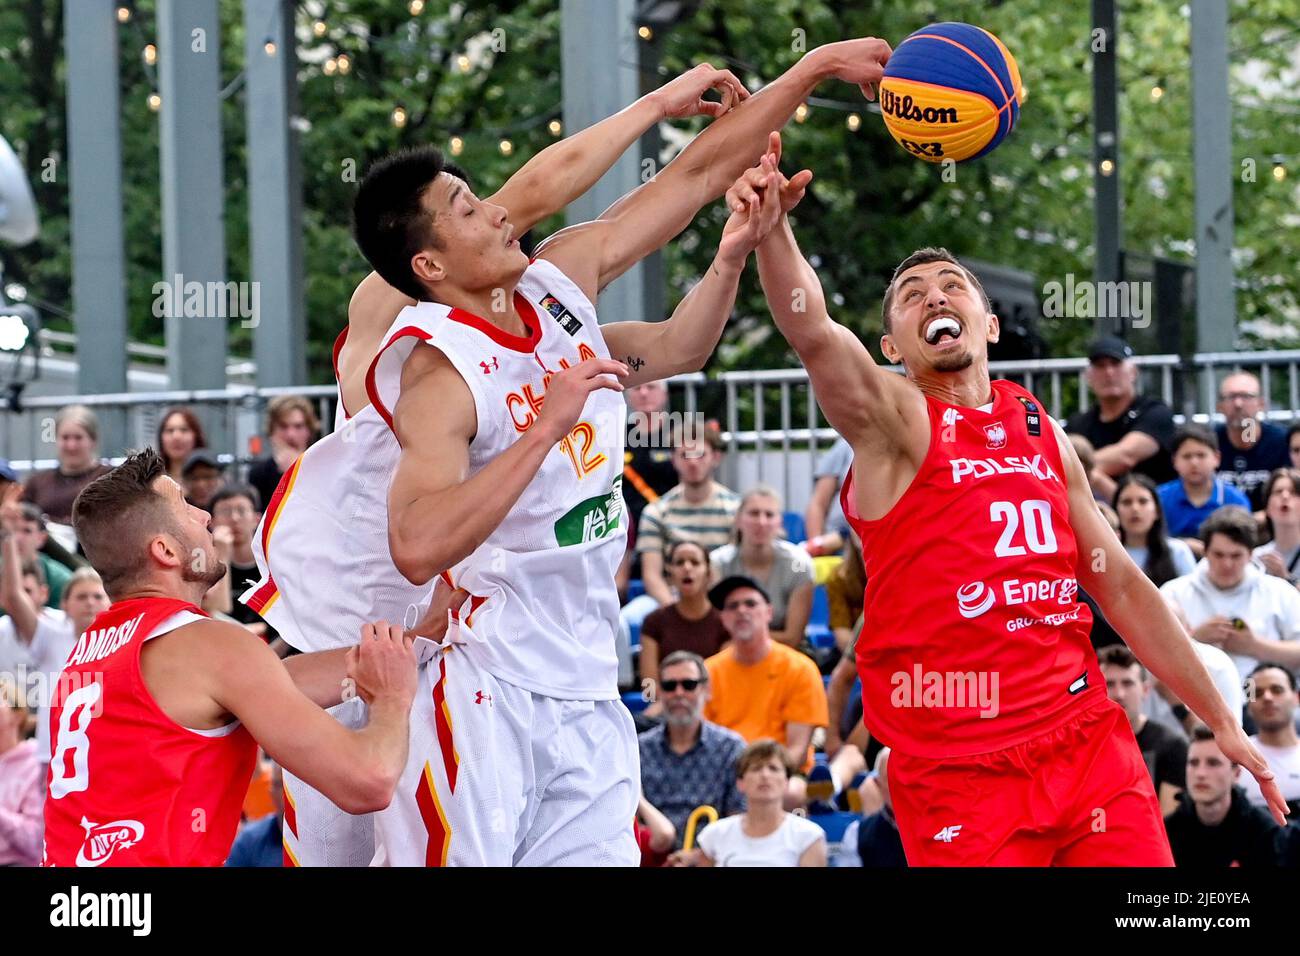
(1130,432)
(760,687)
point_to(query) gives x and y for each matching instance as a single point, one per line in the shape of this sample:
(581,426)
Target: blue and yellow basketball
(951,91)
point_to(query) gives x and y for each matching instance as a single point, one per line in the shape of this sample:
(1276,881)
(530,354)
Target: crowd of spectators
(742,713)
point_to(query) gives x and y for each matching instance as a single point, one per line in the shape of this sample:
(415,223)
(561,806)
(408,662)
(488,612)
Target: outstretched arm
(1135,609)
(593,254)
(565,170)
(657,350)
(860,398)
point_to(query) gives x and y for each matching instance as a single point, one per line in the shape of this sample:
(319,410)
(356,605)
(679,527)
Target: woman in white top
(1281,556)
(1142,531)
(785,570)
(765,834)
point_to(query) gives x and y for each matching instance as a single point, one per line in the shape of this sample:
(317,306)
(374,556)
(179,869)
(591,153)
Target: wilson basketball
(951,91)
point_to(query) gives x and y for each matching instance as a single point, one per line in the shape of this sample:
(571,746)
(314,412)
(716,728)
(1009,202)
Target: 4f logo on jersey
(997,435)
(568,321)
(489,369)
(948,834)
(105,839)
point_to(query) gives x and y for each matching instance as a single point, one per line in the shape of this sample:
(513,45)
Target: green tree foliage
(1027,205)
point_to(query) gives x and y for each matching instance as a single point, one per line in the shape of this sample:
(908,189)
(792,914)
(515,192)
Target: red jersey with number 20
(128,786)
(974,639)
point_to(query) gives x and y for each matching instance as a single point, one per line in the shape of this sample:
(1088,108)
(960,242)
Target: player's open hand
(567,391)
(383,664)
(434,623)
(684,96)
(1238,748)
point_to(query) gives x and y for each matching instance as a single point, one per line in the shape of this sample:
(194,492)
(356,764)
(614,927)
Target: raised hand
(752,219)
(567,391)
(746,188)
(684,96)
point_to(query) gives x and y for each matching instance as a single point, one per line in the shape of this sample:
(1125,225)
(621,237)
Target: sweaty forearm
(1138,613)
(436,530)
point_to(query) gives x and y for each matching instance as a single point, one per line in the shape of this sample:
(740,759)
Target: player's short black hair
(919,258)
(389,222)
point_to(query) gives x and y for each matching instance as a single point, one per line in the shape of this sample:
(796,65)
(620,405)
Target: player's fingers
(711,108)
(367,633)
(774,144)
(602,366)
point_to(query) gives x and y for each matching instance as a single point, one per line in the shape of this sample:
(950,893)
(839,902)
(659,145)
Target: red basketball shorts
(1079,795)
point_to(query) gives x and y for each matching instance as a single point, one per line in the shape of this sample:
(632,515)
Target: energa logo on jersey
(105,839)
(977,597)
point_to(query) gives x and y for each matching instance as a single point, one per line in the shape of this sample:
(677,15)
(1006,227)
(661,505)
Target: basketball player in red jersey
(978,527)
(160,708)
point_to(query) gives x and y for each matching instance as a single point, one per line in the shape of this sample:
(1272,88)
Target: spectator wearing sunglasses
(686,761)
(761,688)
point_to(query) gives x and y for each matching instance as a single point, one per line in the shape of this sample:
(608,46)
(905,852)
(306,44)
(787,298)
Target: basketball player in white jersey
(502,390)
(328,516)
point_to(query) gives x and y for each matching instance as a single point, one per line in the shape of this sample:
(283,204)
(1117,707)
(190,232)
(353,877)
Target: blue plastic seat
(635,588)
(794,527)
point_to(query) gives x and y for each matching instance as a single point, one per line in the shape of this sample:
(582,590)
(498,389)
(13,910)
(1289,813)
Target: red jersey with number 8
(128,786)
(974,639)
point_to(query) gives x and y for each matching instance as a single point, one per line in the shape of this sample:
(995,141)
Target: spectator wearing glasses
(1249,447)
(687,761)
(763,689)
(1281,496)
(765,834)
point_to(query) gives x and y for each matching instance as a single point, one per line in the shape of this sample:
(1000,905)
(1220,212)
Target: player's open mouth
(944,326)
(510,237)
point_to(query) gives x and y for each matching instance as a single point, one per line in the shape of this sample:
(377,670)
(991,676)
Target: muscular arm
(596,253)
(1131,602)
(861,400)
(320,675)
(210,669)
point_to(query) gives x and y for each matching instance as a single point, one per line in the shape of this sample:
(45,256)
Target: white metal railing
(767,416)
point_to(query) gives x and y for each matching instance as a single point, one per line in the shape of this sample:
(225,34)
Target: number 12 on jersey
(583,460)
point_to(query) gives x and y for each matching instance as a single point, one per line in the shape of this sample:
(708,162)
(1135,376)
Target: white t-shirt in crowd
(1285,764)
(726,843)
(41,662)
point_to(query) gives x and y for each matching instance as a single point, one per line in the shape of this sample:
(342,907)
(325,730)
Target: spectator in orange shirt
(761,688)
